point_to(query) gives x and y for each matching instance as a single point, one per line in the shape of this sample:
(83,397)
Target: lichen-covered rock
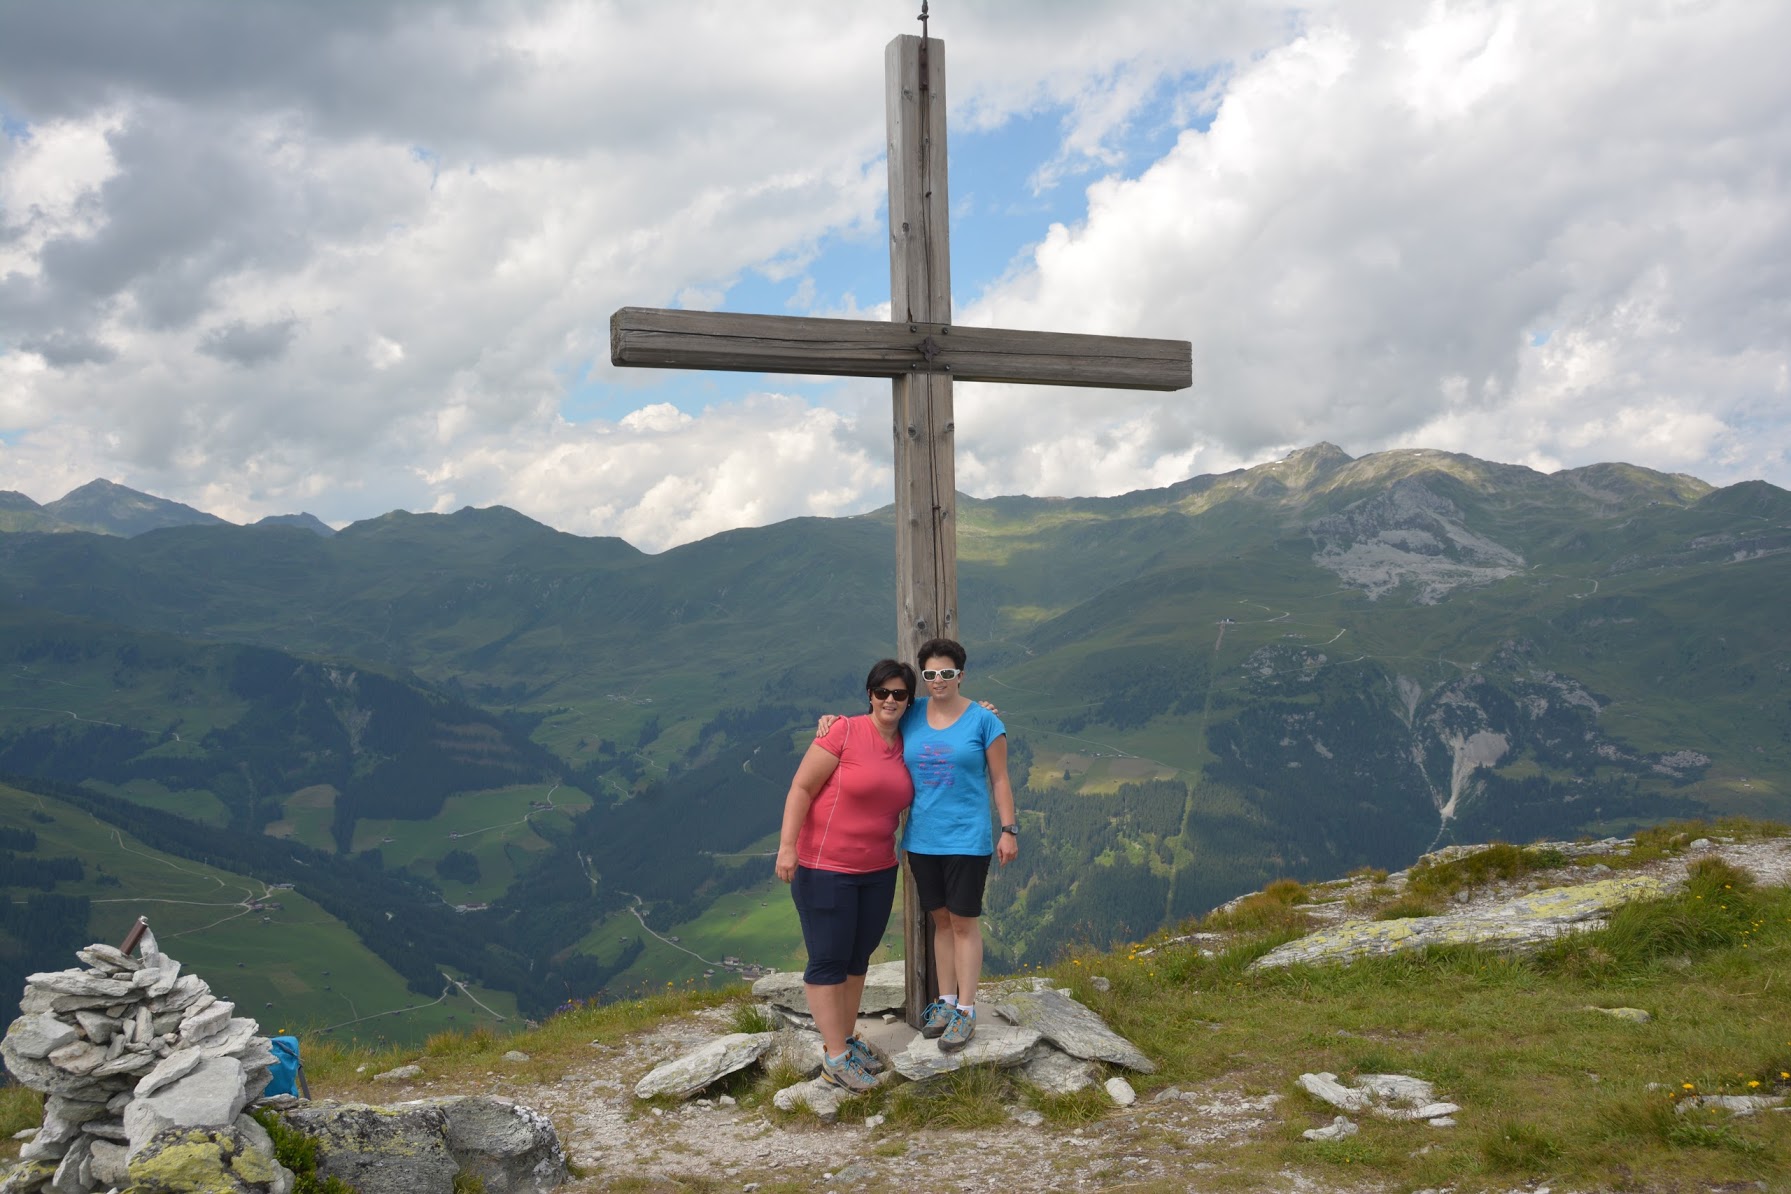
(1528,920)
(223,1160)
(509,1147)
(401,1149)
(29,1177)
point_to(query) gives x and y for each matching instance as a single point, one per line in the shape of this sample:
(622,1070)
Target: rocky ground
(1164,1141)
(705,1144)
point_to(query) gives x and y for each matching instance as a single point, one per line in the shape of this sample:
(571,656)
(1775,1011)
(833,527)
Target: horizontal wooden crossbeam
(657,338)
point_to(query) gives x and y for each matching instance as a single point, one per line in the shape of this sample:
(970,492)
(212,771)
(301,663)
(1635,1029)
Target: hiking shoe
(845,1073)
(869,1062)
(958,1032)
(934,1019)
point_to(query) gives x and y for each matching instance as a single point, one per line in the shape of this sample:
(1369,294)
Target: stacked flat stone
(124,1049)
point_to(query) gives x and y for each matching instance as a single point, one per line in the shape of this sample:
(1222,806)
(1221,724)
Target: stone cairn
(137,1062)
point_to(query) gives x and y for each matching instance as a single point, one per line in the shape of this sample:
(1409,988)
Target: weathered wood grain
(657,338)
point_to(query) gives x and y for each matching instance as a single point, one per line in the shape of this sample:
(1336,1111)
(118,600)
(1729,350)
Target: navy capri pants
(843,918)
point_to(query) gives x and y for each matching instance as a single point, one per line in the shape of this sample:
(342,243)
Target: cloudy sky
(265,256)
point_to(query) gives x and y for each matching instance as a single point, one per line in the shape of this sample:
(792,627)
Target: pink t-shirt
(851,825)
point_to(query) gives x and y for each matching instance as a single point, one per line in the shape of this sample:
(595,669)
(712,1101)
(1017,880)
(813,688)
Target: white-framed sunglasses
(941,673)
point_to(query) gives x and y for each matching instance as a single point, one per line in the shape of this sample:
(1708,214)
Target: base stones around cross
(1073,1028)
(883,990)
(1000,1045)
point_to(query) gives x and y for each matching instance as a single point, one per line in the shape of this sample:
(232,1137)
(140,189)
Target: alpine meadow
(466,768)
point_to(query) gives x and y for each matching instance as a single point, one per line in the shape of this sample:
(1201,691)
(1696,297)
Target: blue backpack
(289,1072)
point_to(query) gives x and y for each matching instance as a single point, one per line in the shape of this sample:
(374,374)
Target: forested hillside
(575,753)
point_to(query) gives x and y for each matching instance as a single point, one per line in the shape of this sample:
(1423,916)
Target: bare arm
(1007,846)
(812,774)
(827,719)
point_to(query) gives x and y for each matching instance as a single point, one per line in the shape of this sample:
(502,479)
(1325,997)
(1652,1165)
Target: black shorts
(843,917)
(950,881)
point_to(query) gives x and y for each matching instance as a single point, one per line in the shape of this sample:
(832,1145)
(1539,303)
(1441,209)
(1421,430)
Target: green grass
(193,804)
(497,827)
(295,967)
(1500,860)
(306,816)
(20,1108)
(1550,1091)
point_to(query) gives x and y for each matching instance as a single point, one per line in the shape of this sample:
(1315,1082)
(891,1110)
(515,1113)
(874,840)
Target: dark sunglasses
(891,694)
(941,673)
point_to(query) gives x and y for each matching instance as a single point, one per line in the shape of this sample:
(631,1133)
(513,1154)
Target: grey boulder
(37,1036)
(717,1059)
(995,1044)
(216,1160)
(883,989)
(1072,1027)
(401,1149)
(1058,1073)
(211,1096)
(511,1148)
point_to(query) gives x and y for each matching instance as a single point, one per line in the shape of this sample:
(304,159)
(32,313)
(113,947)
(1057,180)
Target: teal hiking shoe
(845,1072)
(958,1031)
(935,1018)
(868,1061)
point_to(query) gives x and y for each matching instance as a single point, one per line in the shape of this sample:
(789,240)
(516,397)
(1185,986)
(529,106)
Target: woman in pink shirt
(837,853)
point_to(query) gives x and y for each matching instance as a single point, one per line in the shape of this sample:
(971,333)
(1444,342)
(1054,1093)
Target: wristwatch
(1013,829)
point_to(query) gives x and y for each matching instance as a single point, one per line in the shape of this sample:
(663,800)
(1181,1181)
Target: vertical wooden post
(925,493)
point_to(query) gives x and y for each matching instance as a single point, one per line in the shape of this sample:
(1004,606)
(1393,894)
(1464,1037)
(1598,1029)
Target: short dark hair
(885,670)
(948,647)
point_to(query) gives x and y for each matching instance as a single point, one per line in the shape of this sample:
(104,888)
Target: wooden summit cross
(923,352)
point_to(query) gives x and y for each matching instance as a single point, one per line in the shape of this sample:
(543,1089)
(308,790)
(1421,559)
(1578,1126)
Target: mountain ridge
(1311,665)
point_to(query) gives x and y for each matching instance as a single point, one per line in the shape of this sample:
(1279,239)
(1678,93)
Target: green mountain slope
(271,948)
(1298,668)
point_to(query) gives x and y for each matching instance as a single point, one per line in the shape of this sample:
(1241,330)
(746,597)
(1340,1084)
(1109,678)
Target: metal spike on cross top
(922,352)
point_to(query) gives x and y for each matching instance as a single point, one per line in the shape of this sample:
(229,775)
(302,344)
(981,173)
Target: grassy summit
(1552,1090)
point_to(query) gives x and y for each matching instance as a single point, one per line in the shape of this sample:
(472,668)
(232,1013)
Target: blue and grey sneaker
(868,1061)
(936,1016)
(845,1072)
(958,1032)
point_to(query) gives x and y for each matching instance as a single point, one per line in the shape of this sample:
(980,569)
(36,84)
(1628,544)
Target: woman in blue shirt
(956,752)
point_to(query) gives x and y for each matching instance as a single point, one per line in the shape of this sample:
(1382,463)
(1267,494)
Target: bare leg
(832,1019)
(967,956)
(945,959)
(851,996)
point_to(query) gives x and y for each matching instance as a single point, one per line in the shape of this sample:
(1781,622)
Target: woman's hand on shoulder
(990,706)
(825,724)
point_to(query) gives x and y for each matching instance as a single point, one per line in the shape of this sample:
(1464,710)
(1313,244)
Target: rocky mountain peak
(113,509)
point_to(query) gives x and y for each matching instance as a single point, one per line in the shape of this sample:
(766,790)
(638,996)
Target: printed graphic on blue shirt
(952,812)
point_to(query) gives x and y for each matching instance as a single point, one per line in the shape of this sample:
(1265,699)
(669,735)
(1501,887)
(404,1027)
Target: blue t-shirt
(951,781)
